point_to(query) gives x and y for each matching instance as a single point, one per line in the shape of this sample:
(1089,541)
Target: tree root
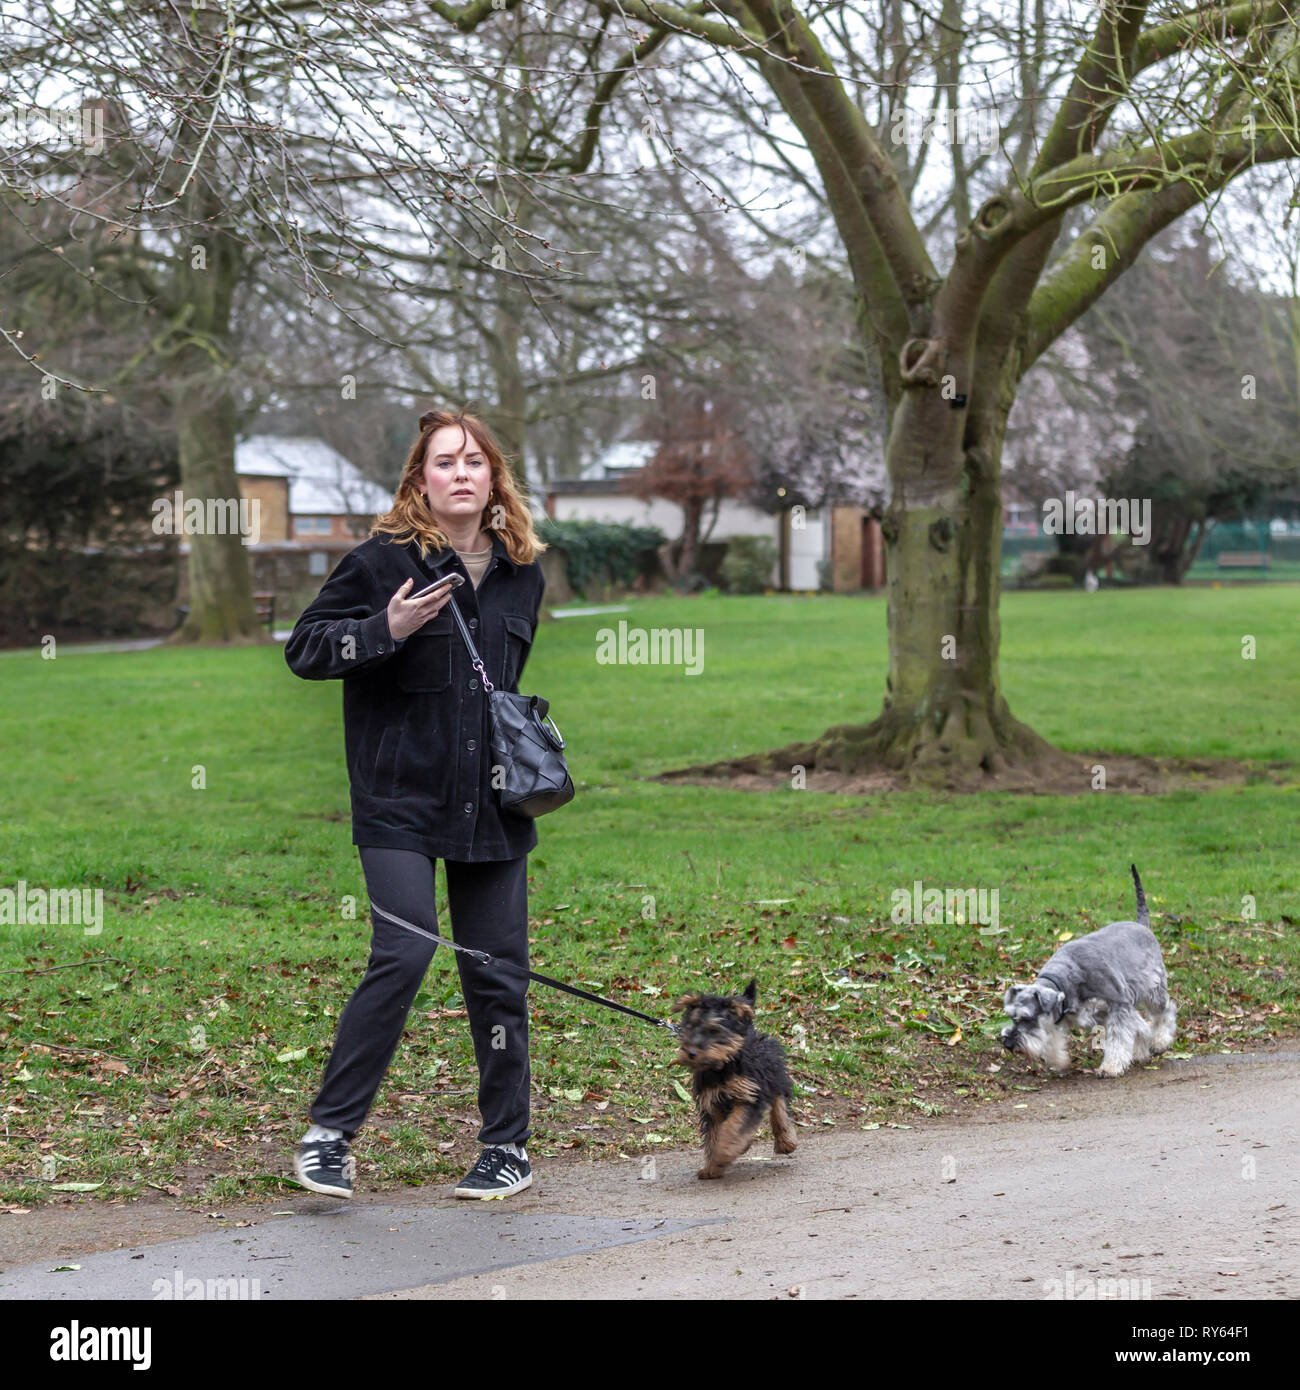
(967,750)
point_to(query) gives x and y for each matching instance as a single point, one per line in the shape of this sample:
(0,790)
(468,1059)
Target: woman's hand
(406,616)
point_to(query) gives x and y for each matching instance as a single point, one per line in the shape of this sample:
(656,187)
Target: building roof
(619,459)
(321,481)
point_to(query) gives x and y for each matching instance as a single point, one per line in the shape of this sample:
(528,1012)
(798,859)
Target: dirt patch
(1071,774)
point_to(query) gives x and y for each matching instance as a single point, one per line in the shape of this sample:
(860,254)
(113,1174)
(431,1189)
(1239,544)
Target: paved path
(1179,1182)
(123,644)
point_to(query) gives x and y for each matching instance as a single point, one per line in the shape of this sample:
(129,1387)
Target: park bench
(1243,559)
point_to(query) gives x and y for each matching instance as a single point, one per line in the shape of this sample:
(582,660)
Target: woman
(417,736)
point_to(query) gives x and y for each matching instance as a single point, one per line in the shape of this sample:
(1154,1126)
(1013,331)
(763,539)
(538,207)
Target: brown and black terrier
(739,1075)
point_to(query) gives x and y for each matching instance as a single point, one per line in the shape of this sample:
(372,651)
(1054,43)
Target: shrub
(602,552)
(747,567)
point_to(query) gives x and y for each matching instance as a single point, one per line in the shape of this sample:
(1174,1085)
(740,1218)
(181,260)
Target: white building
(801,536)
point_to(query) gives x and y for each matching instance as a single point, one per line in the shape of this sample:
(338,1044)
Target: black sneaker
(325,1166)
(497,1173)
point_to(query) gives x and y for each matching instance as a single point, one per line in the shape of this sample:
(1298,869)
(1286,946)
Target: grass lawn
(184,1061)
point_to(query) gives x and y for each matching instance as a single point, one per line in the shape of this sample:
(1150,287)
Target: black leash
(519,970)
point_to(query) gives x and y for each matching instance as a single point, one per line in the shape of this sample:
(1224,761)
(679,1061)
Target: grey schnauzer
(1113,979)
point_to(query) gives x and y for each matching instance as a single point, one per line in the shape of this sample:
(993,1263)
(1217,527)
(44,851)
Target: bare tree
(324,161)
(967,262)
(701,459)
(1214,398)
(1140,117)
(1177,389)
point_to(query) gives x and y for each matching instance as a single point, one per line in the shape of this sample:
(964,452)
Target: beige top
(476,562)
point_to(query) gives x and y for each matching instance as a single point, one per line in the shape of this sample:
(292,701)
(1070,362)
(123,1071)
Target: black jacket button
(469,806)
(473,685)
(471,745)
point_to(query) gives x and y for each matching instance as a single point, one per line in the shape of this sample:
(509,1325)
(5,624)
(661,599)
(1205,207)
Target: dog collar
(1055,984)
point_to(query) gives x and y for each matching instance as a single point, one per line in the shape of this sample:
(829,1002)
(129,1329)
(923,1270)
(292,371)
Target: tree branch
(1080,277)
(868,167)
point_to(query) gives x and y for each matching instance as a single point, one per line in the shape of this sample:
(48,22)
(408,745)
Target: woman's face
(457,475)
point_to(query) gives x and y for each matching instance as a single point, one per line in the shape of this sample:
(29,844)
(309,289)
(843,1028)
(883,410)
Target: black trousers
(488,903)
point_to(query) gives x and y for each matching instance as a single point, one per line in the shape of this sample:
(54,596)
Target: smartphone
(446,584)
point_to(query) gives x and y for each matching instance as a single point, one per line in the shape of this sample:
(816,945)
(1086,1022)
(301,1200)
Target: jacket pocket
(426,658)
(518,642)
(424,769)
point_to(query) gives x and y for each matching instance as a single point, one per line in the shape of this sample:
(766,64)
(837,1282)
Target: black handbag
(525,744)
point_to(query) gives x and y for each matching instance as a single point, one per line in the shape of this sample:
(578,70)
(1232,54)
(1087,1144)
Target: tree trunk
(1174,555)
(221,587)
(1190,558)
(692,511)
(944,716)
(220,581)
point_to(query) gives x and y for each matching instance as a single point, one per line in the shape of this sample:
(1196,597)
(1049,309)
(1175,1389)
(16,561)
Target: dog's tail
(1142,917)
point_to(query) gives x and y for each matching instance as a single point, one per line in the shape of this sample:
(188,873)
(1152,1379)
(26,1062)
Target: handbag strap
(475,660)
(540,706)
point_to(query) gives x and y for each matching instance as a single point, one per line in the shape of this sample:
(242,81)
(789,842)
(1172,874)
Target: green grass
(234,941)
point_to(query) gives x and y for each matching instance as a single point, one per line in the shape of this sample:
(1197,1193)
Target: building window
(313,525)
(318,563)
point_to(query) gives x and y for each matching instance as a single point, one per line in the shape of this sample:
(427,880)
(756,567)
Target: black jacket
(415,721)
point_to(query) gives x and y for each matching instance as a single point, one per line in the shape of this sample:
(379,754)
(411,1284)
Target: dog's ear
(1009,997)
(751,992)
(687,1001)
(1054,1000)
